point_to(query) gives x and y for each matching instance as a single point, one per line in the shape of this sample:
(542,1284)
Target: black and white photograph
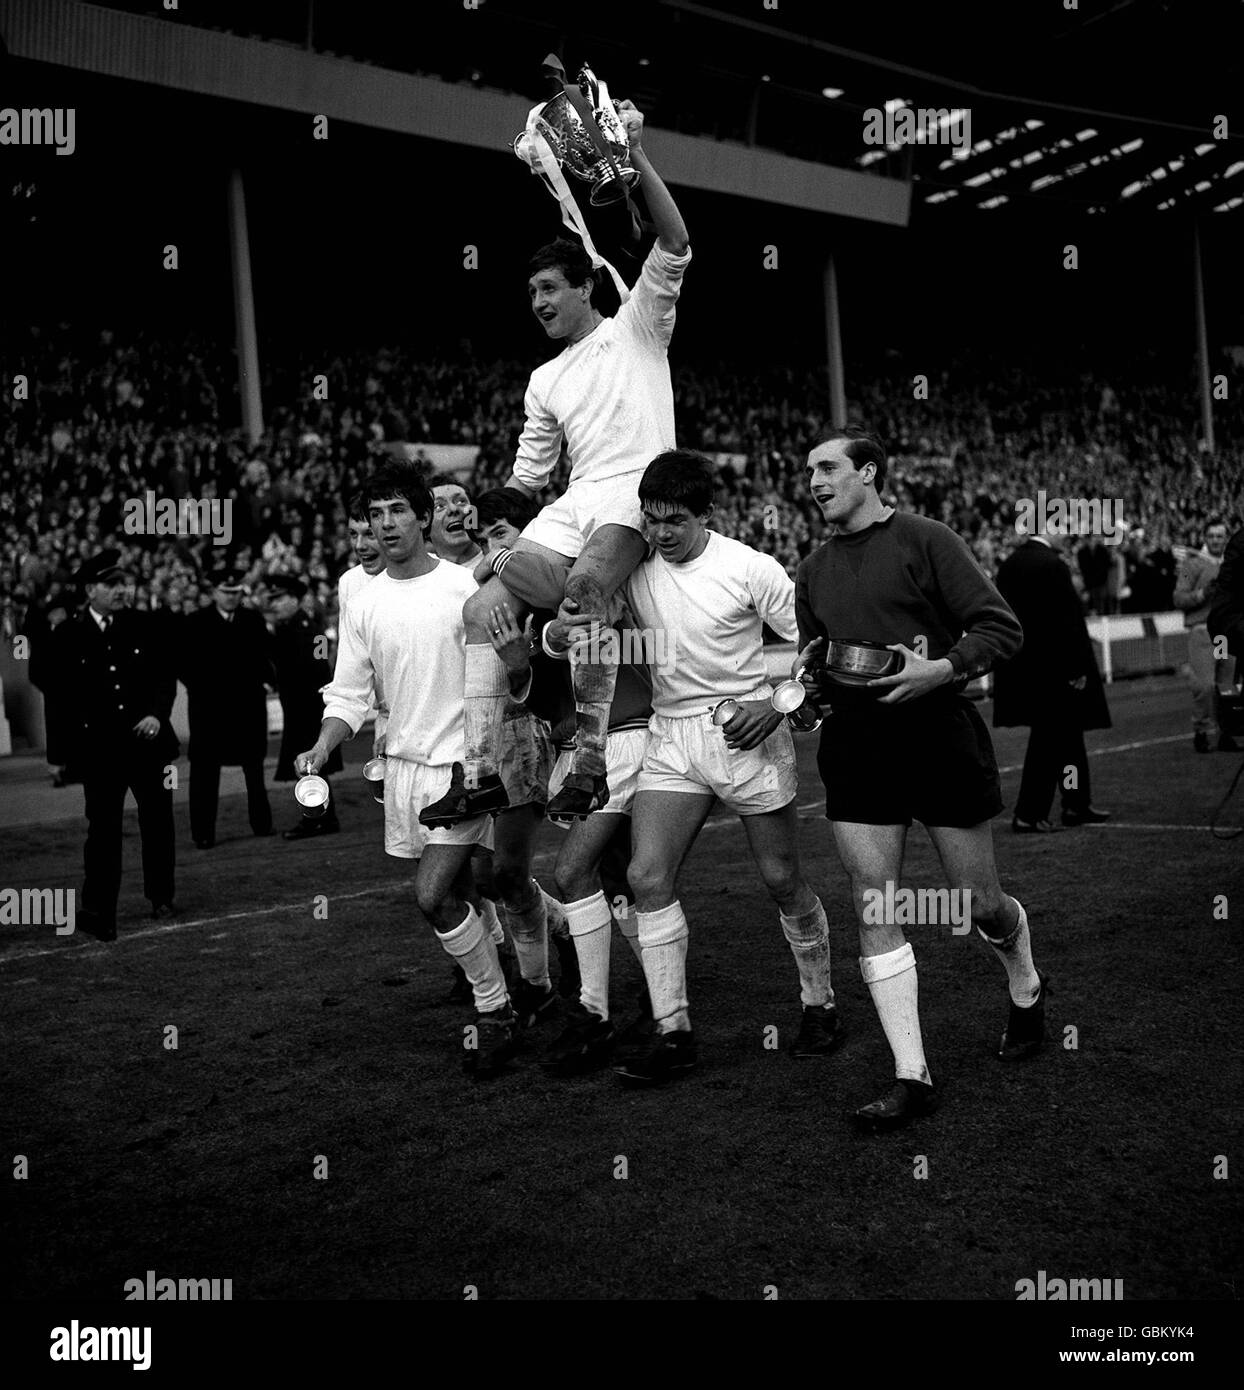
(622,677)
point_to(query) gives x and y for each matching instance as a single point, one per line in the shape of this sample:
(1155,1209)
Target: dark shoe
(205,844)
(1226,744)
(161,910)
(667,1055)
(904,1102)
(1200,742)
(585,1044)
(1025,1028)
(533,1003)
(1087,816)
(579,796)
(101,928)
(459,803)
(496,1039)
(819,1033)
(1032,827)
(568,980)
(312,829)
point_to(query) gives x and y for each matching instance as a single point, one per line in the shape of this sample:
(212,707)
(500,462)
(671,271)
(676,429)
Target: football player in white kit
(403,633)
(607,395)
(712,595)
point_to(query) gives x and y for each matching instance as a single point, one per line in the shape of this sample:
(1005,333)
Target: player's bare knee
(512,880)
(650,881)
(989,910)
(784,882)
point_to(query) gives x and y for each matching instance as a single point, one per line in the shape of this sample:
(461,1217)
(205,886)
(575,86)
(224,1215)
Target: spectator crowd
(104,418)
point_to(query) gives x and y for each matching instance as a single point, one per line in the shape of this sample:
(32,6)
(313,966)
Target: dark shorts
(931,761)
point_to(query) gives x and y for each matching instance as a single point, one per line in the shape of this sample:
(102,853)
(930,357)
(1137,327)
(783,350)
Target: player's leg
(534,577)
(872,856)
(968,860)
(608,558)
(443,885)
(521,896)
(587,906)
(663,828)
(773,839)
(586,1042)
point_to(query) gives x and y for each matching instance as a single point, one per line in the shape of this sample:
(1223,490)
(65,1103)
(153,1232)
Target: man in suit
(1052,686)
(1194,591)
(116,684)
(225,662)
(300,676)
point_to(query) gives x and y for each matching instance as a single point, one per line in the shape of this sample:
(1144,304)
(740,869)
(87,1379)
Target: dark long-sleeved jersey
(901,579)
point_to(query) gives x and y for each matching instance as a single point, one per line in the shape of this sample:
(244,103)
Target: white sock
(808,938)
(891,980)
(589,930)
(492,923)
(555,913)
(1015,952)
(627,918)
(531,938)
(471,946)
(663,936)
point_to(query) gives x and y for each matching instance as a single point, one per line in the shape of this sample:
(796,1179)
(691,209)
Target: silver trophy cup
(574,147)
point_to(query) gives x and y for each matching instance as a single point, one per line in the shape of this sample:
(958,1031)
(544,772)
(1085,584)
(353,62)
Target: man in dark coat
(1226,620)
(1052,686)
(301,673)
(116,683)
(225,663)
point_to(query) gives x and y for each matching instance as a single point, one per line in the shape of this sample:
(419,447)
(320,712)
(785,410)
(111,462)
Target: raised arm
(671,229)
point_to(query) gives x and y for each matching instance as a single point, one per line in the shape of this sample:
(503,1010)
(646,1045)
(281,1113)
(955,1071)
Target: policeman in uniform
(116,684)
(300,676)
(225,662)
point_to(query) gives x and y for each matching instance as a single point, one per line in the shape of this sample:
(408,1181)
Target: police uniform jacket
(299,676)
(107,682)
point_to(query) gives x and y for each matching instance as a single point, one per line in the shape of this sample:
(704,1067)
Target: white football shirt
(348,586)
(407,638)
(711,612)
(608,395)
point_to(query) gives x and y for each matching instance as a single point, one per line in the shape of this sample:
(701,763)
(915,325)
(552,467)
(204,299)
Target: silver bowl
(852,661)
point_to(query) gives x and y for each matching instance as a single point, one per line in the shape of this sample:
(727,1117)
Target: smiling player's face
(366,547)
(839,488)
(449,520)
(564,310)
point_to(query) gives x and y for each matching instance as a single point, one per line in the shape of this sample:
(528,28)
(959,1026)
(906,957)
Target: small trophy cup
(311,793)
(373,771)
(791,699)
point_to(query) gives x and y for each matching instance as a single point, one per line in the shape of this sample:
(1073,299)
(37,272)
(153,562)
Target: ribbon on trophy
(539,148)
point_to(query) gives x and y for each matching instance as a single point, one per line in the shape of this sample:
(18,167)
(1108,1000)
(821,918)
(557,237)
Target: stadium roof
(1108,107)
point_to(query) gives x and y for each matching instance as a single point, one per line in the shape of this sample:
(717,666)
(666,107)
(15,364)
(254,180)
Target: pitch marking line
(545,858)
